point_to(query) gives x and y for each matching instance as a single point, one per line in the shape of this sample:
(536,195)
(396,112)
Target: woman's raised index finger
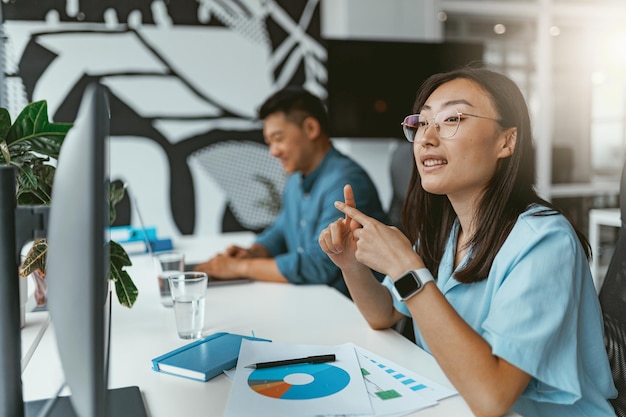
(352,213)
(348,196)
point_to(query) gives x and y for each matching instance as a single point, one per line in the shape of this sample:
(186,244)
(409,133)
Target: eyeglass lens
(446,124)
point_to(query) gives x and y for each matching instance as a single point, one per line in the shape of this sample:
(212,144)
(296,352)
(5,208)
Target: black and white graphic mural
(185,79)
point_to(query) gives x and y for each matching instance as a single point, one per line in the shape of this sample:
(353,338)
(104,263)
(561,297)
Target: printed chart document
(307,389)
(359,383)
(394,390)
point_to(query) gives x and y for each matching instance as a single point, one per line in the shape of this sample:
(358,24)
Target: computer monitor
(78,296)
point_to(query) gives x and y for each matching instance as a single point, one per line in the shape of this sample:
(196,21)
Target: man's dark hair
(297,103)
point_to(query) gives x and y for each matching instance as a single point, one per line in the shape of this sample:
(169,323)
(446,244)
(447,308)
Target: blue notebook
(203,359)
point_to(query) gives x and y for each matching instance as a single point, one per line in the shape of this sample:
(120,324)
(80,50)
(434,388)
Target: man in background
(296,129)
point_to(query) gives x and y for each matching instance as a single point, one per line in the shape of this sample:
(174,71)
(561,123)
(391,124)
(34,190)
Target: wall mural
(185,79)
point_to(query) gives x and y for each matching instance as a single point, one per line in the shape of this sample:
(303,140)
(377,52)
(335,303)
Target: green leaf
(45,173)
(32,127)
(5,123)
(35,259)
(4,152)
(116,194)
(26,178)
(28,144)
(124,287)
(34,183)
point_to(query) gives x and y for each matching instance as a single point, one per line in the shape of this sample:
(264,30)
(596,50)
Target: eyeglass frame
(460,115)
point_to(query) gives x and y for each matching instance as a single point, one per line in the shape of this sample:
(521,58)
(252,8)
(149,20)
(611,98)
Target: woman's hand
(382,248)
(354,245)
(360,239)
(337,240)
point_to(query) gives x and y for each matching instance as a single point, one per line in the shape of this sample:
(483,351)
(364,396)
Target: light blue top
(538,309)
(307,209)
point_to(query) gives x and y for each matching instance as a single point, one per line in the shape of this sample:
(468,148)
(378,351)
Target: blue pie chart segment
(327,380)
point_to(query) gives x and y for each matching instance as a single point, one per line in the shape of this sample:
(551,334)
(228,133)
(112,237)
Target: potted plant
(31,144)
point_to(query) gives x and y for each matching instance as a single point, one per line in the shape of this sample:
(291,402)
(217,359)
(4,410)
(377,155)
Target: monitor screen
(78,263)
(78,258)
(372,84)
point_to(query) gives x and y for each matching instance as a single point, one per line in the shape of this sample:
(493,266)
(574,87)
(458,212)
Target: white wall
(170,91)
(380,19)
(358,19)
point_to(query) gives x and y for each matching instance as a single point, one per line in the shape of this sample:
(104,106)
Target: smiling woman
(460,155)
(496,279)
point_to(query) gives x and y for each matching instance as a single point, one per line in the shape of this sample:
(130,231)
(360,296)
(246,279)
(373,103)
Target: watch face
(407,284)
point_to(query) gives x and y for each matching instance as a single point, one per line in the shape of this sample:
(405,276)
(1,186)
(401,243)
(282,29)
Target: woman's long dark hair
(428,218)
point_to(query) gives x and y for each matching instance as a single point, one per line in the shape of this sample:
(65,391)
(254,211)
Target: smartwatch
(410,283)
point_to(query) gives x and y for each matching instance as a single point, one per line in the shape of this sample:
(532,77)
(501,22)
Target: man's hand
(223,266)
(235,251)
(254,251)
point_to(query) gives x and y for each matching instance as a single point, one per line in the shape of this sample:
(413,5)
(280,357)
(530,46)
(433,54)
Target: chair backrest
(251,179)
(613,302)
(402,162)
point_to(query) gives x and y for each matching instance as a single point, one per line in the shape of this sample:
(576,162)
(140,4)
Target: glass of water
(188,292)
(168,263)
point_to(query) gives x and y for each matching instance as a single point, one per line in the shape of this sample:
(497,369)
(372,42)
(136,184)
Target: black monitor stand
(122,402)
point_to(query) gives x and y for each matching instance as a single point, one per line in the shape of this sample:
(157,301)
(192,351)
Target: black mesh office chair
(402,162)
(613,302)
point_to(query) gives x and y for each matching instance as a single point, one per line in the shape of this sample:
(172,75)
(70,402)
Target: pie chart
(299,382)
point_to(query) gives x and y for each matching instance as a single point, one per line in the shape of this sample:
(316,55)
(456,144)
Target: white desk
(281,312)
(198,249)
(32,332)
(598,218)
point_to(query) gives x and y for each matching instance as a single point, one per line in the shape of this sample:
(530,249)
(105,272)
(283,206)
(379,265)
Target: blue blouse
(307,209)
(538,309)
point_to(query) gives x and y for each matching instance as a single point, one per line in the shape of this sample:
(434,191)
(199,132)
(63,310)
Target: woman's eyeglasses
(446,124)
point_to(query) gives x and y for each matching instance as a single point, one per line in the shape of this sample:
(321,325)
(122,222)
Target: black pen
(308,359)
